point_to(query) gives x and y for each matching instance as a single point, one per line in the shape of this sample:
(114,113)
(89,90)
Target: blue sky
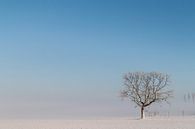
(67,58)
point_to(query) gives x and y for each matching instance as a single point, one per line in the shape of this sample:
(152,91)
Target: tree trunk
(142,112)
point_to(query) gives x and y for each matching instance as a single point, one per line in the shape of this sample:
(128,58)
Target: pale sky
(62,59)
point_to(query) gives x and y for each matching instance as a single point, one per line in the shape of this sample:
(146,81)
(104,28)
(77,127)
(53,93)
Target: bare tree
(189,97)
(146,88)
(193,97)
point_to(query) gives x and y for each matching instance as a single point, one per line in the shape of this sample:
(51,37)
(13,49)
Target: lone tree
(146,88)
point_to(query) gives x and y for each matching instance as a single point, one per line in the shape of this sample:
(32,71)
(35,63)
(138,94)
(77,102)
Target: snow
(114,123)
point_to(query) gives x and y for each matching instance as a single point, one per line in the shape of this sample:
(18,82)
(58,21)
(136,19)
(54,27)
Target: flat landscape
(115,123)
(97,64)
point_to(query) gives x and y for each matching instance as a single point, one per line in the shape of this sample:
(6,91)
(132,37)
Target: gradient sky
(67,58)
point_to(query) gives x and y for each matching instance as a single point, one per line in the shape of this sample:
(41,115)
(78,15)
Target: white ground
(122,123)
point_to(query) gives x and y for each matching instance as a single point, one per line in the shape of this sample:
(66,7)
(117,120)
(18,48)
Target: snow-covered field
(115,123)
